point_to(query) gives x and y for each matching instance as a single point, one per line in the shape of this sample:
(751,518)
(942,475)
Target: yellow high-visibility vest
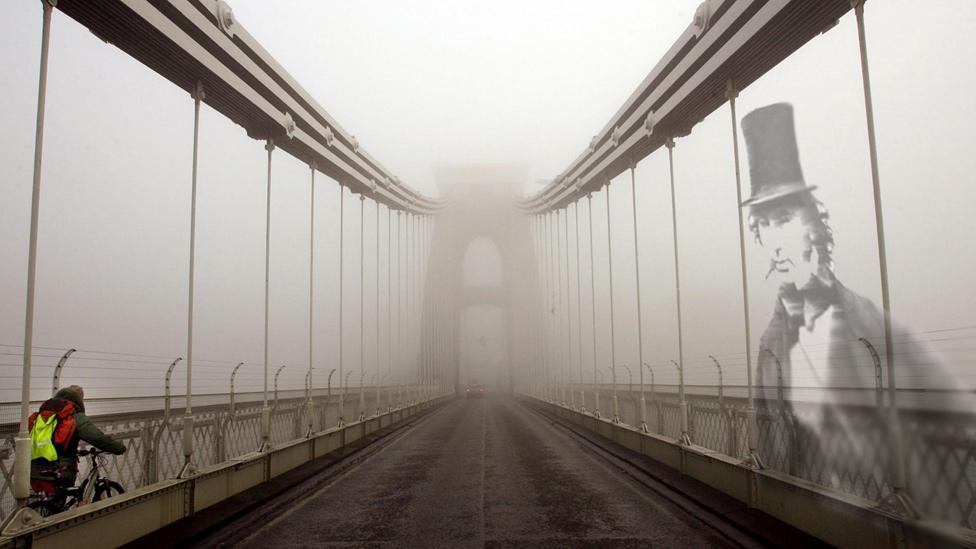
(42,438)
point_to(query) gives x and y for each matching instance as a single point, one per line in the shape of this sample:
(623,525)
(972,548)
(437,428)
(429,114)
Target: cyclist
(54,476)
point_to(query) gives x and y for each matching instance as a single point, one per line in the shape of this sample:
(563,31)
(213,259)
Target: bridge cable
(596,391)
(613,366)
(640,329)
(265,411)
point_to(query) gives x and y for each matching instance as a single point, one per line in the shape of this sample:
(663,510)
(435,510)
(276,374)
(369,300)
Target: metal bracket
(198,93)
(288,123)
(702,19)
(616,135)
(649,121)
(22,519)
(730,91)
(225,18)
(900,503)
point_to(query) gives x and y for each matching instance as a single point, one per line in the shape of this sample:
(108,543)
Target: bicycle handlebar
(91,452)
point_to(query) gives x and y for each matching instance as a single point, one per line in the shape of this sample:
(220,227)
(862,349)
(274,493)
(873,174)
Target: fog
(425,85)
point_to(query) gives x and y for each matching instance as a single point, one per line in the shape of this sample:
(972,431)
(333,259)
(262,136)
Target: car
(474,390)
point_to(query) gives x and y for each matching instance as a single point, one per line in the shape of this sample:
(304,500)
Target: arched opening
(484,347)
(482,265)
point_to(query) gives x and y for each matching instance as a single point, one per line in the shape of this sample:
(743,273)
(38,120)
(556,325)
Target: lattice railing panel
(816,443)
(216,437)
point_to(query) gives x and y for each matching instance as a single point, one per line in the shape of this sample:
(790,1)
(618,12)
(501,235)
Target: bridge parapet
(154,450)
(939,446)
(123,519)
(831,514)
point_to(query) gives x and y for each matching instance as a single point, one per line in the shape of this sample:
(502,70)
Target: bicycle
(94,487)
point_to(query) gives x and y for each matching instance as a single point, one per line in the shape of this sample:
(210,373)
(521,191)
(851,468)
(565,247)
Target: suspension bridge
(376,443)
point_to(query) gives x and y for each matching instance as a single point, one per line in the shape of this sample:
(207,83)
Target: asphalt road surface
(484,473)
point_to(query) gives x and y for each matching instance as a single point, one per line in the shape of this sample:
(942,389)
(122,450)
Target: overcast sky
(425,83)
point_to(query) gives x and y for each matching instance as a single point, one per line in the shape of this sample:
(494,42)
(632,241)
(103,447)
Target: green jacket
(86,431)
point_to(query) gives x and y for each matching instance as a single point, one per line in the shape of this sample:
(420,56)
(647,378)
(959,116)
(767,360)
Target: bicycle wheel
(107,489)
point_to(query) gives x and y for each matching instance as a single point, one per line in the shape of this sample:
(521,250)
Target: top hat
(774,163)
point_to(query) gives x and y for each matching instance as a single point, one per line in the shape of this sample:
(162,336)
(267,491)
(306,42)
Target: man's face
(784,237)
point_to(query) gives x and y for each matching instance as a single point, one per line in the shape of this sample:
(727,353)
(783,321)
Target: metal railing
(220,432)
(940,447)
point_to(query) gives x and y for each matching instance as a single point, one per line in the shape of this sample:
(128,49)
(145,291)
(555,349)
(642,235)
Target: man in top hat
(815,337)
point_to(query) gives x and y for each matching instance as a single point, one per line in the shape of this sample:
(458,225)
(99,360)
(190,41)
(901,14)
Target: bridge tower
(482,205)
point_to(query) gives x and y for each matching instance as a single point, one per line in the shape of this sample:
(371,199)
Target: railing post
(682,405)
(310,424)
(220,441)
(166,389)
(233,373)
(274,408)
(718,366)
(780,389)
(878,377)
(725,414)
(630,388)
(153,443)
(328,394)
(149,454)
(379,381)
(785,416)
(654,402)
(362,396)
(56,382)
(596,393)
(342,397)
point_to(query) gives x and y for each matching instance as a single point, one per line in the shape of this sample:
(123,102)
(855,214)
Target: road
(484,473)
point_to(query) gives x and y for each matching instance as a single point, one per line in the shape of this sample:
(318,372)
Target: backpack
(52,429)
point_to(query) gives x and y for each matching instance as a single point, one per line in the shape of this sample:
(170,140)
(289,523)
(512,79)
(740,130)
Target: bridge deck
(484,472)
